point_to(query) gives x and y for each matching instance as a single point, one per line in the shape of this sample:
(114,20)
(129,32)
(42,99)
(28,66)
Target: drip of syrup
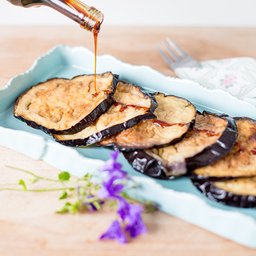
(123,107)
(164,124)
(106,92)
(253,151)
(208,133)
(239,149)
(96,94)
(95,37)
(80,7)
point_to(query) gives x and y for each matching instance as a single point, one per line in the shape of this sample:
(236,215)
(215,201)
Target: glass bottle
(88,17)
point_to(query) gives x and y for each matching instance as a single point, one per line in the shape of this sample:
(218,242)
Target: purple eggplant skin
(146,164)
(218,150)
(130,149)
(216,194)
(199,177)
(97,137)
(87,121)
(126,149)
(100,109)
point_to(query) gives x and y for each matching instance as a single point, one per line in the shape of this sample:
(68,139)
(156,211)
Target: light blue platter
(179,197)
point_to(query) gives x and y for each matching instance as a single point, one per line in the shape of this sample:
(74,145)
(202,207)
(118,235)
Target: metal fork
(175,57)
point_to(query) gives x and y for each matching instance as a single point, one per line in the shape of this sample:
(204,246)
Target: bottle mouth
(88,17)
(92,20)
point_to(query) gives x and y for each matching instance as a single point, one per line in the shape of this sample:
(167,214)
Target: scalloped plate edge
(217,92)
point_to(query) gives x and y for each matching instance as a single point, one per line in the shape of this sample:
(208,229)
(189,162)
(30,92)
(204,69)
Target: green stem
(37,190)
(31,173)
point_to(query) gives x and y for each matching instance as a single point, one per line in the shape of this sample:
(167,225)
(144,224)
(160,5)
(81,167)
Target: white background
(146,12)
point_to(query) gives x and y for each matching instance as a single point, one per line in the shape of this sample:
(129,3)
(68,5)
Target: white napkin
(237,76)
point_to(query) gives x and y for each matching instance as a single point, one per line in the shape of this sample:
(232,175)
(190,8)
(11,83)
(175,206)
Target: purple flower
(134,212)
(112,167)
(135,225)
(130,215)
(113,181)
(123,209)
(115,232)
(110,190)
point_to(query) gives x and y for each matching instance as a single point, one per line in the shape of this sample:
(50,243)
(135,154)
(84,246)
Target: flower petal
(123,208)
(136,228)
(114,232)
(135,225)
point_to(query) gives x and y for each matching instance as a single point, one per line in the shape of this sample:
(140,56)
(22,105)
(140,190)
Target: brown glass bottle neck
(88,17)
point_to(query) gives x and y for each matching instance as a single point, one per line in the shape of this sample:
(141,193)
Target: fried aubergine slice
(211,138)
(174,116)
(238,192)
(131,106)
(66,106)
(241,161)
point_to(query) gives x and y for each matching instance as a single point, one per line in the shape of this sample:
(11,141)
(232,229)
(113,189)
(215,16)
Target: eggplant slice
(131,106)
(174,116)
(241,161)
(211,138)
(66,106)
(239,192)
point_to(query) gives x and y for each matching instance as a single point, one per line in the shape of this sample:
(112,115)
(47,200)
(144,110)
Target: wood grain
(28,223)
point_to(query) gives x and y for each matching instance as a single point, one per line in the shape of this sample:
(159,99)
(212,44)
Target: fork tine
(171,52)
(172,44)
(166,59)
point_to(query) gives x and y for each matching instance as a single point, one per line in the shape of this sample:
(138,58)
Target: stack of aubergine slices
(162,136)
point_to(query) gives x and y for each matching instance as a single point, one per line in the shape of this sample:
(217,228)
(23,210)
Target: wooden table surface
(28,224)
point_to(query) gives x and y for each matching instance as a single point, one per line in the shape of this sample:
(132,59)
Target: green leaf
(23,184)
(64,176)
(65,208)
(64,195)
(70,208)
(75,207)
(88,176)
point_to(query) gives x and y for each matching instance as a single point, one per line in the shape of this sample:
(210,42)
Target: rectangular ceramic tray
(178,197)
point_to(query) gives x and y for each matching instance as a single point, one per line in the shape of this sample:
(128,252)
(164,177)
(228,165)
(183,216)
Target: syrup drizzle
(123,107)
(106,92)
(208,132)
(95,37)
(164,124)
(238,148)
(79,7)
(253,151)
